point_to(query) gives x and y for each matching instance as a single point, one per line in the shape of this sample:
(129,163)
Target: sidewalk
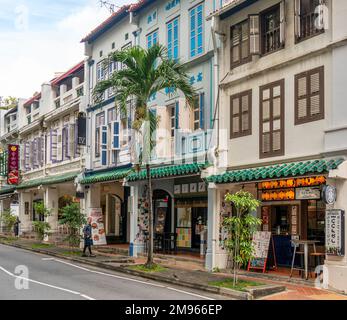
(185,273)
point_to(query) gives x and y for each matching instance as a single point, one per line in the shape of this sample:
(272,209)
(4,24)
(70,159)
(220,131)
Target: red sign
(13,164)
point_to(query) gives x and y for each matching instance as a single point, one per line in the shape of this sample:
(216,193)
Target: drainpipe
(216,125)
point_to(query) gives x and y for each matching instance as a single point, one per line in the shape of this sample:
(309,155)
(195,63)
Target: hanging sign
(13,165)
(81,129)
(329,194)
(335,232)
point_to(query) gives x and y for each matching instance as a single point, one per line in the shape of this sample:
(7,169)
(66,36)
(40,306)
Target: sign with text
(98,229)
(307,193)
(335,232)
(13,165)
(81,129)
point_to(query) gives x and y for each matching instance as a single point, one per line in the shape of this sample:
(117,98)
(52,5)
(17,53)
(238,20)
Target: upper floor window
(272,29)
(152,39)
(99,123)
(172,115)
(196,27)
(173,39)
(309,96)
(198,112)
(309,18)
(271,120)
(100,71)
(239,44)
(241,114)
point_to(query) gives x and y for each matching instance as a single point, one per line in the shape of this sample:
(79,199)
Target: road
(58,279)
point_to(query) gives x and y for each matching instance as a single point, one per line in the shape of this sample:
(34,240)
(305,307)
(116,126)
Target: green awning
(110,175)
(282,170)
(169,171)
(7,189)
(48,180)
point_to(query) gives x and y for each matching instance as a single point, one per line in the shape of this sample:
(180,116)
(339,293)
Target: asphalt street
(25,275)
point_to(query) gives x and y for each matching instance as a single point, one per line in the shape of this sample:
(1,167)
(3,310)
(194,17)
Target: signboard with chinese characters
(335,232)
(98,229)
(13,165)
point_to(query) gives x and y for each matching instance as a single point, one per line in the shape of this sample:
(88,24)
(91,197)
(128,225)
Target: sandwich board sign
(261,244)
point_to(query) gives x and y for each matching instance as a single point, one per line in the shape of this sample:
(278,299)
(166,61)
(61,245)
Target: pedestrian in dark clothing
(88,240)
(16,227)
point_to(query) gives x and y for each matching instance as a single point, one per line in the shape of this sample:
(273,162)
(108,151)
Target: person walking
(16,227)
(88,240)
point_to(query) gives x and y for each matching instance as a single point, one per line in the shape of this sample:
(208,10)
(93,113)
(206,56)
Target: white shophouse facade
(282,99)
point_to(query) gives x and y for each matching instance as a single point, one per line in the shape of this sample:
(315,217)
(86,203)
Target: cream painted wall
(306,140)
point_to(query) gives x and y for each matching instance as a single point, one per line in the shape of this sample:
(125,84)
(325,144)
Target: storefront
(104,190)
(190,213)
(179,209)
(292,209)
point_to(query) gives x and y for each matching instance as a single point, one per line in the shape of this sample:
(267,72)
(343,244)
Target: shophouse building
(281,82)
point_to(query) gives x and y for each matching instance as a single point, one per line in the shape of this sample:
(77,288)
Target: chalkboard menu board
(261,244)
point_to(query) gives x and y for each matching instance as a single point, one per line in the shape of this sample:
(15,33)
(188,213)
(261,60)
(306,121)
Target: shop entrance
(162,212)
(199,221)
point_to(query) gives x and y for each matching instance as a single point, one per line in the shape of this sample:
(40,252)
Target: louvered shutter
(104,146)
(33,154)
(27,155)
(254,31)
(22,158)
(302,97)
(59,146)
(202,110)
(282,22)
(235,115)
(177,115)
(244,113)
(115,129)
(314,93)
(235,44)
(245,40)
(297,17)
(72,141)
(54,145)
(77,151)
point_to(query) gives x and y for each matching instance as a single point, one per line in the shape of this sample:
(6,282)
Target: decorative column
(210,262)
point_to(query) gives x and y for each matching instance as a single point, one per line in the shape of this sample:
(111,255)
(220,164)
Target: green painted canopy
(282,170)
(110,175)
(48,180)
(169,171)
(7,189)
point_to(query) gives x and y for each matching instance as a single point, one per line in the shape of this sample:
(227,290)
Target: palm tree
(144,73)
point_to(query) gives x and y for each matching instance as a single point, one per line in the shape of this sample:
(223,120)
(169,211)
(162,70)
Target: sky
(41,37)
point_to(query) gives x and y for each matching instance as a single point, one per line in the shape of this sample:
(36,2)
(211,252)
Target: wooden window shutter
(309,96)
(282,22)
(59,146)
(297,17)
(235,45)
(254,34)
(315,96)
(240,114)
(271,120)
(244,40)
(53,145)
(244,113)
(71,145)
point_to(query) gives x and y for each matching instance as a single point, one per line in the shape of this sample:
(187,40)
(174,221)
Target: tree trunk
(150,262)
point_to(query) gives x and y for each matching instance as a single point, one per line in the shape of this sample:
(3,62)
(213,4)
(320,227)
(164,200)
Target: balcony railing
(272,40)
(308,25)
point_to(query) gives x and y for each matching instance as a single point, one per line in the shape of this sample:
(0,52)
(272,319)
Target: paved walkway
(193,272)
